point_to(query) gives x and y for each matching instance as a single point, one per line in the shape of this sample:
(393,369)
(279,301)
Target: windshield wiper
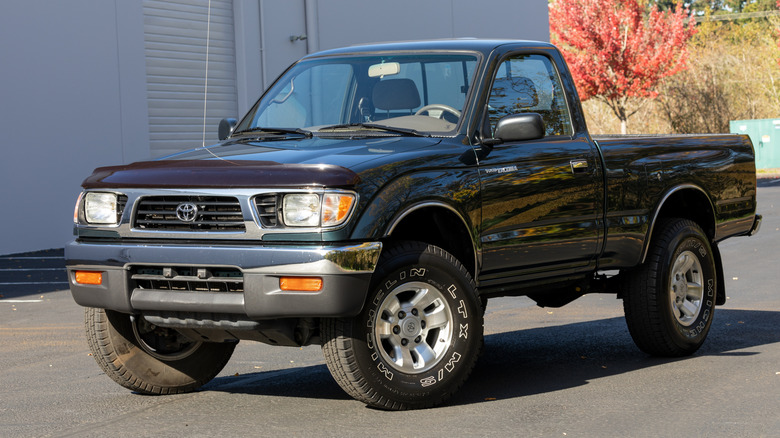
(299,131)
(405,131)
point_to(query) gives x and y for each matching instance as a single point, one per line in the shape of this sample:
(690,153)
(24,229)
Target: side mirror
(226,127)
(519,127)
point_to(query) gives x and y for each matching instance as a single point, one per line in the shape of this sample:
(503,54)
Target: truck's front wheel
(418,337)
(149,359)
(670,300)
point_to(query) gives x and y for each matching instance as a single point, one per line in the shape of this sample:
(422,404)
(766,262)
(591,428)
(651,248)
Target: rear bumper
(345,270)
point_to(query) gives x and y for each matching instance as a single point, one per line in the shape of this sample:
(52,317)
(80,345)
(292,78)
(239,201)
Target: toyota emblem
(187,212)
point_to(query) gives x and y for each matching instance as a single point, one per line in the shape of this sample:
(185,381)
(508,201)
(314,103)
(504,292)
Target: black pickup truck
(375,198)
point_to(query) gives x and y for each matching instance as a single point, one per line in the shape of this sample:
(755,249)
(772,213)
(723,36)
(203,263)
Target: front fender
(457,188)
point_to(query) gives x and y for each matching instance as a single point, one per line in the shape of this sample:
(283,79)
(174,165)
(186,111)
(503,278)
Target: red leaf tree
(620,49)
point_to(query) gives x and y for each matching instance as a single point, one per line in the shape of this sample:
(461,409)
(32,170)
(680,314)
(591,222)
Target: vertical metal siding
(175,45)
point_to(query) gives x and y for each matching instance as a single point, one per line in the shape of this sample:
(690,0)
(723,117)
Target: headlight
(315,210)
(301,210)
(100,208)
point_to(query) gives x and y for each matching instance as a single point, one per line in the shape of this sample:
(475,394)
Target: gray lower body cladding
(235,280)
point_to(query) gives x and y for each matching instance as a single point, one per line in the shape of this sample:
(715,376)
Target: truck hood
(315,162)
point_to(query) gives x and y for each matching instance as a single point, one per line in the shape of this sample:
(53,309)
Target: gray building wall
(330,24)
(72,97)
(73,82)
(428,19)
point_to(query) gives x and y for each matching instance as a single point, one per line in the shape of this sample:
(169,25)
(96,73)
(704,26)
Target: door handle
(579,166)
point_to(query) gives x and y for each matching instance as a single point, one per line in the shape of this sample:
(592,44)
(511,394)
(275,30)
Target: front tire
(418,337)
(669,301)
(148,359)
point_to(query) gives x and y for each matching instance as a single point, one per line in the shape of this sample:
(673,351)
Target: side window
(529,84)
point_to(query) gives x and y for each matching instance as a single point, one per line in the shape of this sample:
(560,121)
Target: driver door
(540,197)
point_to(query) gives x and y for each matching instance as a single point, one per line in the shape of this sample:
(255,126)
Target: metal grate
(212,213)
(189,279)
(268,210)
(121,203)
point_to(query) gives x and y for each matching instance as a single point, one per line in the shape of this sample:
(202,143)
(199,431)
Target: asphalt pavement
(568,372)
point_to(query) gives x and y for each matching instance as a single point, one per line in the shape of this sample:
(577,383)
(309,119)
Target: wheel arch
(686,201)
(690,202)
(436,223)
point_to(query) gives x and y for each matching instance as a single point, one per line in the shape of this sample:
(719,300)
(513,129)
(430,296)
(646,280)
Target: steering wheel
(438,106)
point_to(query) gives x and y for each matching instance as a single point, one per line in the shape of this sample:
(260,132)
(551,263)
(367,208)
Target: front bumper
(345,270)
(756,225)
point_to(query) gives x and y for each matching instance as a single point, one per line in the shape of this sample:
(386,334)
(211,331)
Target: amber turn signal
(336,208)
(301,284)
(89,277)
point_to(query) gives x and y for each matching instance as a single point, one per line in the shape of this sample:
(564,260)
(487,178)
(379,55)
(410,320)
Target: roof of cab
(484,46)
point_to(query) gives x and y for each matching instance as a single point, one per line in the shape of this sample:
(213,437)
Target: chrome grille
(121,203)
(214,213)
(268,210)
(189,279)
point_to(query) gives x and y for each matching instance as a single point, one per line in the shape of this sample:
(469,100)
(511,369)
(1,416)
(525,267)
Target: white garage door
(175,43)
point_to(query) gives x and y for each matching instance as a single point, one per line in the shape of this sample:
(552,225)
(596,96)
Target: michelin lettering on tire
(706,274)
(670,300)
(421,331)
(442,340)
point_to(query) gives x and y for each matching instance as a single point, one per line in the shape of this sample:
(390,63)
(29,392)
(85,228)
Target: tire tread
(337,348)
(643,303)
(97,328)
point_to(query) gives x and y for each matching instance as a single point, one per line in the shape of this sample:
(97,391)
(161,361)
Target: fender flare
(660,207)
(438,204)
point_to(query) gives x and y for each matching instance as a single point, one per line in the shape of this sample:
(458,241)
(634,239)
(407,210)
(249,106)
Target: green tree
(730,6)
(733,74)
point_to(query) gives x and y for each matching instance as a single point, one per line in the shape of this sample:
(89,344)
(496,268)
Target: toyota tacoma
(373,200)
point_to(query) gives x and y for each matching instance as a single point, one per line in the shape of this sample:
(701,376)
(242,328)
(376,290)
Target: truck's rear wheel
(418,337)
(669,301)
(149,359)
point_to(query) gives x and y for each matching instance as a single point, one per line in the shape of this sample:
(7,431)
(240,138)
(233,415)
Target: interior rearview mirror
(384,69)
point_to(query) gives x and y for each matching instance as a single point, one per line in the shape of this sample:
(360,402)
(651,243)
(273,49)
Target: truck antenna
(206,86)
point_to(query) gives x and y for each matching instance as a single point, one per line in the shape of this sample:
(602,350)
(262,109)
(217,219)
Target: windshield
(420,94)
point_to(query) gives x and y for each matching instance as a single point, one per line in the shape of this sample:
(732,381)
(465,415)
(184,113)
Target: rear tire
(418,337)
(669,301)
(148,359)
